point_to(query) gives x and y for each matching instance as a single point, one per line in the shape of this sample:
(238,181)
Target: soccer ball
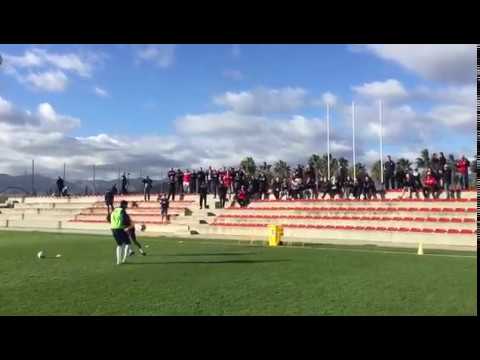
(40,255)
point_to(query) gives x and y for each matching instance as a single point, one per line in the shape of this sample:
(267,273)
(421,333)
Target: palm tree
(404,164)
(424,160)
(342,162)
(281,169)
(248,164)
(360,170)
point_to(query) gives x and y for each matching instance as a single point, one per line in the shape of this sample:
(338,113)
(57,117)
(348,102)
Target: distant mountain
(43,185)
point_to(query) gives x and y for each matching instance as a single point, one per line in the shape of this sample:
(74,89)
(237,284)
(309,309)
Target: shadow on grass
(209,262)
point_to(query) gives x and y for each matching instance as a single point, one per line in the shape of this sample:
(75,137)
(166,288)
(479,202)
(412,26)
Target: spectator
(389,171)
(124,190)
(446,180)
(416,178)
(263,186)
(285,193)
(430,185)
(400,177)
(462,168)
(201,178)
(222,194)
(347,187)
(147,187)
(164,205)
(334,188)
(295,187)
(60,185)
(242,197)
(193,182)
(228,181)
(442,160)
(324,186)
(109,199)
(171,184)
(435,163)
(215,182)
(409,186)
(369,188)
(186,181)
(457,185)
(357,188)
(203,190)
(114,189)
(179,181)
(276,188)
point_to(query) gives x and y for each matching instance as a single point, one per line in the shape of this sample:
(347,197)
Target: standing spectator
(369,189)
(215,182)
(228,181)
(208,176)
(60,185)
(201,178)
(203,190)
(357,189)
(171,184)
(193,182)
(276,188)
(446,180)
(179,180)
(222,194)
(109,199)
(186,181)
(442,160)
(124,190)
(114,189)
(462,168)
(147,187)
(164,205)
(389,170)
(263,186)
(324,186)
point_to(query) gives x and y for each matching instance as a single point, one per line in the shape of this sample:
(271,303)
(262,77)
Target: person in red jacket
(242,197)
(186,181)
(228,180)
(430,185)
(462,166)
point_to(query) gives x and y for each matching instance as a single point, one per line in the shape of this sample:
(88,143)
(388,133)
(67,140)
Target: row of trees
(320,165)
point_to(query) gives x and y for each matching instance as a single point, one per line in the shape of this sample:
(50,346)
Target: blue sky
(195,105)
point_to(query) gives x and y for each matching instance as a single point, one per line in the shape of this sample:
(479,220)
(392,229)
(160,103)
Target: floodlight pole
(328,141)
(381,139)
(33,176)
(353,140)
(94,188)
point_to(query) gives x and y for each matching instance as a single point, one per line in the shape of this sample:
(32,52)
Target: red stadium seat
(426,230)
(392,228)
(442,231)
(469,220)
(466,231)
(453,231)
(419,219)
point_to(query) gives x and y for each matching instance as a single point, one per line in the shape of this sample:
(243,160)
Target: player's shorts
(164,211)
(121,237)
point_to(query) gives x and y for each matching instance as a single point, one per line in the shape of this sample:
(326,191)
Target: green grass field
(201,277)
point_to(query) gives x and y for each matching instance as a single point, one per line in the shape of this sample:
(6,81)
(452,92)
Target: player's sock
(126,251)
(119,255)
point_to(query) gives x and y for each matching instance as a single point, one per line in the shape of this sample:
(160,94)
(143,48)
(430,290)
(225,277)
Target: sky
(146,108)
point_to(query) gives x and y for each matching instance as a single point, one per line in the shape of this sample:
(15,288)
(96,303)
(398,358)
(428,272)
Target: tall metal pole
(64,172)
(94,188)
(328,141)
(353,139)
(381,139)
(33,176)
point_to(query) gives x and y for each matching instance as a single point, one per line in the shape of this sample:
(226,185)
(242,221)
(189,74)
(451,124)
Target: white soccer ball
(40,255)
(58,256)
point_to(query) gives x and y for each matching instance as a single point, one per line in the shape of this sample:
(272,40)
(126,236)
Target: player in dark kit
(133,237)
(109,199)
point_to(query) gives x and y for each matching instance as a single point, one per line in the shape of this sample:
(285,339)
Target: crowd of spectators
(303,182)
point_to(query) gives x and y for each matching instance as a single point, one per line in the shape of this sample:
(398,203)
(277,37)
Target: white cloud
(454,116)
(233,74)
(263,100)
(161,55)
(389,90)
(101,92)
(82,65)
(54,81)
(451,63)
